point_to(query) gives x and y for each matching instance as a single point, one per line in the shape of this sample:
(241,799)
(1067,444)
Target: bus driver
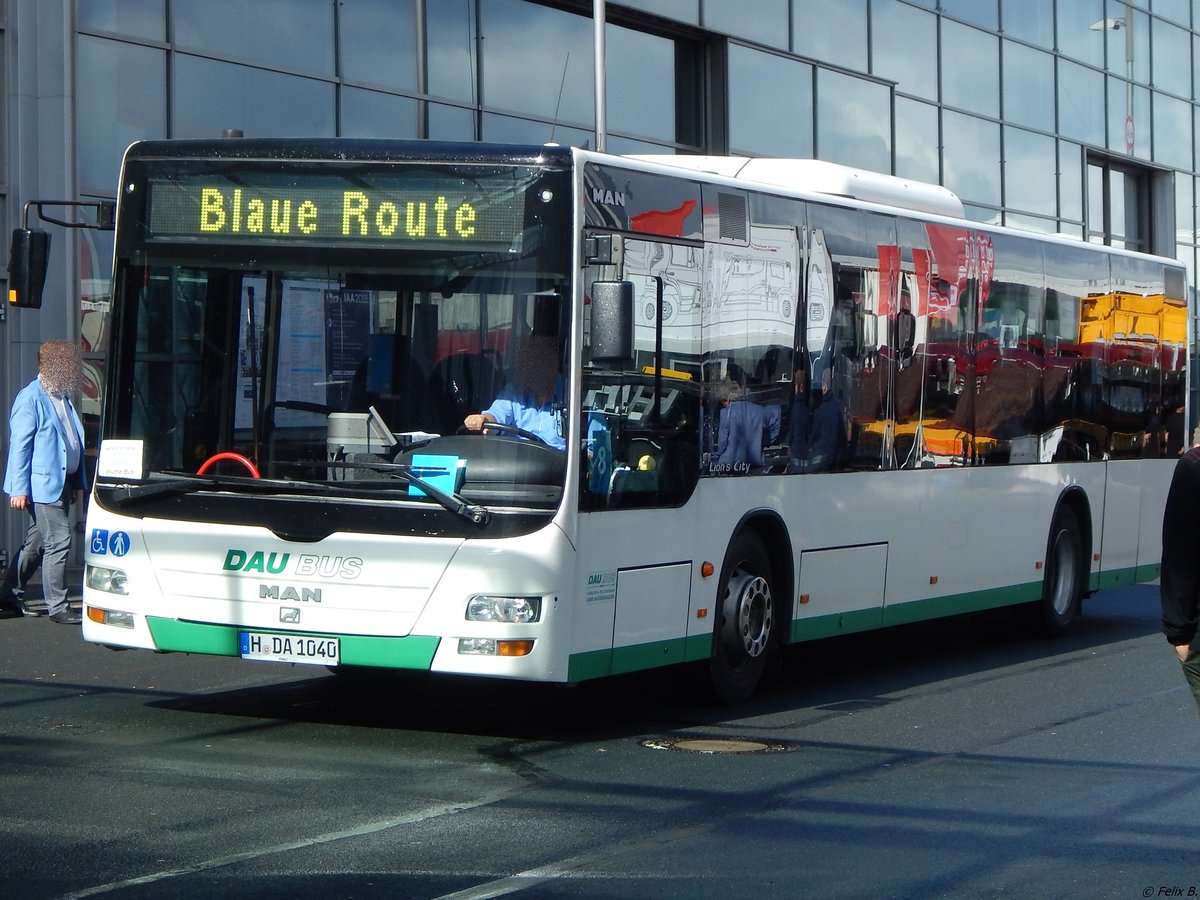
(533,399)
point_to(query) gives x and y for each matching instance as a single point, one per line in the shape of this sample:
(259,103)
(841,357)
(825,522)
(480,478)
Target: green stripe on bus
(600,663)
(593,664)
(952,605)
(1123,577)
(699,646)
(808,629)
(647,656)
(1148,573)
(414,651)
(411,652)
(841,623)
(956,604)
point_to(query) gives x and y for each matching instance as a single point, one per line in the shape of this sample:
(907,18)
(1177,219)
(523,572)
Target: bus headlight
(100,578)
(489,608)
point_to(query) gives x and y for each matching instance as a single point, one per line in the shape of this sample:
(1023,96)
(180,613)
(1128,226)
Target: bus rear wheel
(1062,589)
(745,620)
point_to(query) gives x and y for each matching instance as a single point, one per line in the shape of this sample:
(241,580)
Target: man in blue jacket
(744,425)
(45,469)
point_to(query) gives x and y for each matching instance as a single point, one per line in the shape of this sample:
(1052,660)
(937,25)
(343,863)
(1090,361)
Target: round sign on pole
(1129,133)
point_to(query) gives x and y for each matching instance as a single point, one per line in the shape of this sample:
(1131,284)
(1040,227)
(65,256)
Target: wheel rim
(752,614)
(1065,573)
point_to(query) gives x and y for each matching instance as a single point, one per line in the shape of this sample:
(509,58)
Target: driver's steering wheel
(505,429)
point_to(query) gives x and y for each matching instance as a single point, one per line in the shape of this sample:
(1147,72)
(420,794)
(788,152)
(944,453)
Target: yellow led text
(358,218)
(359,214)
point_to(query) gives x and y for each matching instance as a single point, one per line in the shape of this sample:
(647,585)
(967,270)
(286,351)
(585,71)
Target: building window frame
(1119,203)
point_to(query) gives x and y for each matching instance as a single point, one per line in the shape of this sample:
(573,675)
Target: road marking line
(431,812)
(511,884)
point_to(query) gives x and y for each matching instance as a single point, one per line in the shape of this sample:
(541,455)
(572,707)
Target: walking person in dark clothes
(828,428)
(799,422)
(1180,579)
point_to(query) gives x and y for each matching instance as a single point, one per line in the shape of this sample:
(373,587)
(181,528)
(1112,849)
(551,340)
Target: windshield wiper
(125,492)
(476,515)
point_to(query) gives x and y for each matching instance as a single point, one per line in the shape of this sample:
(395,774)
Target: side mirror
(28,259)
(612,320)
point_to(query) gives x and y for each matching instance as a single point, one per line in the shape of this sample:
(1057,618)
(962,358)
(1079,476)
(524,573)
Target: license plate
(290,648)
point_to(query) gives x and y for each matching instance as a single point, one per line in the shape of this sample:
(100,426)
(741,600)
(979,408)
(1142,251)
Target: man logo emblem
(289,615)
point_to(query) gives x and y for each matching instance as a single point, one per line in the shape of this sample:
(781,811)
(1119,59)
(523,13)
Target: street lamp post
(598,16)
(1124,23)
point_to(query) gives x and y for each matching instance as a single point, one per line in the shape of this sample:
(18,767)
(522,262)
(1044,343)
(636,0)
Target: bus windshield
(349,355)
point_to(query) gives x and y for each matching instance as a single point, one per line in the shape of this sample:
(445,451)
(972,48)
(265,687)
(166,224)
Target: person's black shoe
(67,616)
(15,608)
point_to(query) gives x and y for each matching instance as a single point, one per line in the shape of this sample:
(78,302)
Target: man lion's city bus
(300,328)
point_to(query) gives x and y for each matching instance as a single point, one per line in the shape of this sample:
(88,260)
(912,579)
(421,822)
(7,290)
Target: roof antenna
(557,103)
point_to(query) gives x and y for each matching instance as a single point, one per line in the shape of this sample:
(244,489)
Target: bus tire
(1062,589)
(743,633)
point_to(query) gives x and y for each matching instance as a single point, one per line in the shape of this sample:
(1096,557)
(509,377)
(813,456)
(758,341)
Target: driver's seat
(461,384)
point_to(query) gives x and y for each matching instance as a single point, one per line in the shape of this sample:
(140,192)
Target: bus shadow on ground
(833,675)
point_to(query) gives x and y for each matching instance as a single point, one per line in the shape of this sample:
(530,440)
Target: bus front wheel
(1062,589)
(745,621)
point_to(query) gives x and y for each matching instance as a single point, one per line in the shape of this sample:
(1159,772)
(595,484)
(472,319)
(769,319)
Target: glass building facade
(1070,116)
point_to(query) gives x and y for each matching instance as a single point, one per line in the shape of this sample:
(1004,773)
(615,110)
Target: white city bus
(300,328)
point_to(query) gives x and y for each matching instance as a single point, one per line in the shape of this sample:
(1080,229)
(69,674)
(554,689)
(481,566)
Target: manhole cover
(717,745)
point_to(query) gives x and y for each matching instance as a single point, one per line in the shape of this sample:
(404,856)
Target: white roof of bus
(819,176)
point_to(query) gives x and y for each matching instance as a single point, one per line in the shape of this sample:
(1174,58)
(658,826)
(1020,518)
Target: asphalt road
(955,759)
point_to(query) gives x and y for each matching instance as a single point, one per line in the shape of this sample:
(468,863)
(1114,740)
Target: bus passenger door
(640,416)
(639,424)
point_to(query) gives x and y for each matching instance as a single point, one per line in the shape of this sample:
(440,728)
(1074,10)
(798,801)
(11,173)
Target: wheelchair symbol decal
(100,540)
(103,542)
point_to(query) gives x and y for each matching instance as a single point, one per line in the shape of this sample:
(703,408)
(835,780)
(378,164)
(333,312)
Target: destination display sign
(325,209)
